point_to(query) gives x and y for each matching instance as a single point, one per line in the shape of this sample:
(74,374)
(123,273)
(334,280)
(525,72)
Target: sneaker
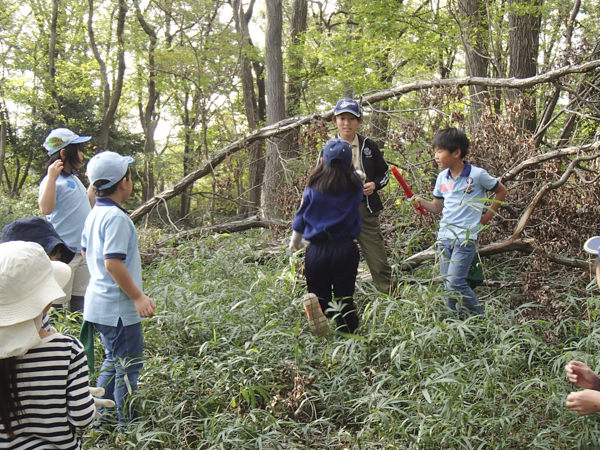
(316,319)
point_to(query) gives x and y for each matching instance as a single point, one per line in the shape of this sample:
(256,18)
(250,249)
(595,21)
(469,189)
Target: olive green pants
(373,249)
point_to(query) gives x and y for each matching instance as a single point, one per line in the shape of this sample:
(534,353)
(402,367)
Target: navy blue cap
(337,153)
(39,230)
(348,105)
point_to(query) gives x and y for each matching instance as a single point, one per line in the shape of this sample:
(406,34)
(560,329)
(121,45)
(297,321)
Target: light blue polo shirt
(71,209)
(110,233)
(463,201)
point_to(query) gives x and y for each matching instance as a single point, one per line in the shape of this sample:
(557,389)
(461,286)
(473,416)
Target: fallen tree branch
(208,166)
(547,77)
(513,172)
(520,245)
(295,122)
(526,216)
(227,227)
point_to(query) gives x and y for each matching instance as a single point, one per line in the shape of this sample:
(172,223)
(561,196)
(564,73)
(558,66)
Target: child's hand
(297,241)
(584,402)
(55,169)
(580,374)
(144,306)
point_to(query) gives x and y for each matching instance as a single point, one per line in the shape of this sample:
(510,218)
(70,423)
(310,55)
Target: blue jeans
(455,258)
(123,348)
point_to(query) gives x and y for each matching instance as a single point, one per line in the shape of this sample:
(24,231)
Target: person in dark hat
(330,220)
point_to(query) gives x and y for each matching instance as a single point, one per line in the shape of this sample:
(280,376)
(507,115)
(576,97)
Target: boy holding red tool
(459,195)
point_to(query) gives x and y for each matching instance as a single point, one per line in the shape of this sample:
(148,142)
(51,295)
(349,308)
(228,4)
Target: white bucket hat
(29,282)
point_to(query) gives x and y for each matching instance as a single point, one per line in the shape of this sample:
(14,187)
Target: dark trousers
(334,264)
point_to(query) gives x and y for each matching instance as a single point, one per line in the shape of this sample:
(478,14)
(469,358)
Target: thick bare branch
(228,227)
(520,245)
(296,122)
(526,216)
(219,157)
(513,172)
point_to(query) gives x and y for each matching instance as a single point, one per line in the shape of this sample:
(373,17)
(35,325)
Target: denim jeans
(123,348)
(455,258)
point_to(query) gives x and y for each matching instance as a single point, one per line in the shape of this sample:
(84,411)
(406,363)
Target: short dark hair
(71,156)
(452,139)
(111,189)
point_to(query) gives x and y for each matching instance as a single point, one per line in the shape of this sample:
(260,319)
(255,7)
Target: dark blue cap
(348,105)
(39,230)
(337,153)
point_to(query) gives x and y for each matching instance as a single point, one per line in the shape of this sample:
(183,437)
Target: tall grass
(231,364)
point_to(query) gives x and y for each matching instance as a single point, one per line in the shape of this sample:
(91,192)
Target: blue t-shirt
(463,201)
(326,217)
(110,233)
(71,209)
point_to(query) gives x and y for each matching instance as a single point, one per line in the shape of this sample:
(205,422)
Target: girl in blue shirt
(66,204)
(329,218)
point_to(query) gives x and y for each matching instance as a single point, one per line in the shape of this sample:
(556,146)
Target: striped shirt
(54,394)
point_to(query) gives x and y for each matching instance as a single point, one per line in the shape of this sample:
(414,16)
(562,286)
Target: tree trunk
(251,104)
(52,50)
(474,32)
(184,208)
(2,143)
(294,84)
(523,48)
(277,148)
(109,103)
(148,116)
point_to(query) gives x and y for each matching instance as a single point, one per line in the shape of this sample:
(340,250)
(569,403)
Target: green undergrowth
(231,364)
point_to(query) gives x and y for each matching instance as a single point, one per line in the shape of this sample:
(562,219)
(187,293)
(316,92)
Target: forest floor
(231,362)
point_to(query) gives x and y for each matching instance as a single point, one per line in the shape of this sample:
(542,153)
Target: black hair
(334,180)
(452,139)
(111,189)
(10,406)
(71,156)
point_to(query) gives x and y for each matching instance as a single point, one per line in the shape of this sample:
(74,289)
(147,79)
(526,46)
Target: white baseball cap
(59,138)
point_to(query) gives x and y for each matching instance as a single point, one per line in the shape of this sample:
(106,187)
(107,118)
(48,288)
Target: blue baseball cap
(348,105)
(39,230)
(59,138)
(109,166)
(592,245)
(337,153)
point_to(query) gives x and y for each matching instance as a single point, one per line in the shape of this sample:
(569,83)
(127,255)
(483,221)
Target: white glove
(100,402)
(297,241)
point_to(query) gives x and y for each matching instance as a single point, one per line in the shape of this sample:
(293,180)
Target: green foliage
(19,207)
(232,364)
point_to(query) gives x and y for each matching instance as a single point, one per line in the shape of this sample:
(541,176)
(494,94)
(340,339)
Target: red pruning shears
(407,190)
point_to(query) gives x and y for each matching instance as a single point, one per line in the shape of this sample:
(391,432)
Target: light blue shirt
(71,208)
(463,201)
(110,233)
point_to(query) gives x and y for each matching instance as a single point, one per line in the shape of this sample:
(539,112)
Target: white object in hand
(297,241)
(100,402)
(362,176)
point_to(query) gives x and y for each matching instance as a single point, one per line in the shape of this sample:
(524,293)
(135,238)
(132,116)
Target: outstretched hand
(584,402)
(580,374)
